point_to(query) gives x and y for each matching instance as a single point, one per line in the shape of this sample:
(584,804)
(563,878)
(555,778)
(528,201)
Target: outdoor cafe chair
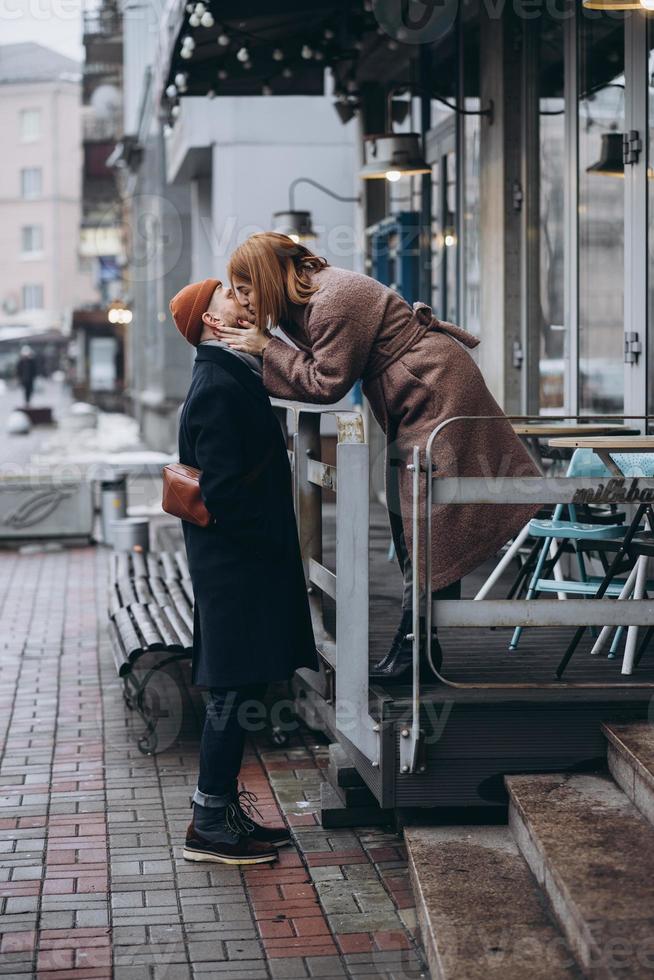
(584,463)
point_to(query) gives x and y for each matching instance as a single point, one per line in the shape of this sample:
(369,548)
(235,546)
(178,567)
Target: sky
(52,23)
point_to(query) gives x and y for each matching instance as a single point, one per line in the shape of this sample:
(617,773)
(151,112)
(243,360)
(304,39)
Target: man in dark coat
(26,371)
(252,620)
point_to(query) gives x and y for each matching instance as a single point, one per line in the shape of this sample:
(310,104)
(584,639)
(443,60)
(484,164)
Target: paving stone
(325,966)
(170,920)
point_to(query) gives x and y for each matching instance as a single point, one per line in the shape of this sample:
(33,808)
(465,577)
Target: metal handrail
(349,584)
(541,489)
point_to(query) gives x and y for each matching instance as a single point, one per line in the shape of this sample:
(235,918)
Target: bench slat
(126,591)
(139,566)
(143,593)
(169,637)
(159,591)
(170,570)
(147,629)
(121,660)
(128,635)
(179,626)
(182,565)
(187,586)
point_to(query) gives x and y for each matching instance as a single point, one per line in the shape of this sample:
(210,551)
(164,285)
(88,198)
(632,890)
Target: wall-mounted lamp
(298,225)
(395,155)
(618,4)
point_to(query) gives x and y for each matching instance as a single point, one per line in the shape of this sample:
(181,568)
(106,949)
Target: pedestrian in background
(26,371)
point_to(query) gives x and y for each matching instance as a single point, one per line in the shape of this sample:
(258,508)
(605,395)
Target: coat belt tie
(422,321)
(425,316)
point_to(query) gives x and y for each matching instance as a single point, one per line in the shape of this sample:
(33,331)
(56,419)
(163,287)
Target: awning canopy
(276,47)
(280,45)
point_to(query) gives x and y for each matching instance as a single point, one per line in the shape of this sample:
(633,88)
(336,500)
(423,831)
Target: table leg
(615,564)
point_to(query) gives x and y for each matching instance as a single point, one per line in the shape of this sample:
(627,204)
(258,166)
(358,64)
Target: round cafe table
(604,445)
(532,433)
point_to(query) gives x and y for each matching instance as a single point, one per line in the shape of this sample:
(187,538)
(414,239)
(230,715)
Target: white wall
(259,145)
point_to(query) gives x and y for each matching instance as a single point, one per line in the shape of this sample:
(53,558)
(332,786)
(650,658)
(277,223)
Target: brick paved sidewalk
(93,883)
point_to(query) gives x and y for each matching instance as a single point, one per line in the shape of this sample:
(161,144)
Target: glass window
(31,182)
(31,239)
(32,295)
(441,154)
(30,125)
(551,127)
(470,220)
(650,214)
(601,213)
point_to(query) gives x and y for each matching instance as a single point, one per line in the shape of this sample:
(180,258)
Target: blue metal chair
(584,463)
(630,465)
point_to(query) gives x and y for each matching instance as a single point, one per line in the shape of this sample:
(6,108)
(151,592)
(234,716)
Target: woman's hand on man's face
(245,337)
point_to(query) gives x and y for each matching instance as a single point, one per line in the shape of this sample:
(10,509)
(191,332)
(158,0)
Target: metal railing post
(352,591)
(308,501)
(409,743)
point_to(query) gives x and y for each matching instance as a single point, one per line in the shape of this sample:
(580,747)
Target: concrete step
(341,770)
(334,812)
(630,753)
(479,909)
(592,852)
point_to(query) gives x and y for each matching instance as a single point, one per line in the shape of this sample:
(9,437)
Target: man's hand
(245,337)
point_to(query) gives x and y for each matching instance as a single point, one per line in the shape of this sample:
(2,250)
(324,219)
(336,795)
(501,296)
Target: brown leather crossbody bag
(181,495)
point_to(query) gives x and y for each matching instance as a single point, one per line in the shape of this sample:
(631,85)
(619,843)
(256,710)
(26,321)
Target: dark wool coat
(414,376)
(252,620)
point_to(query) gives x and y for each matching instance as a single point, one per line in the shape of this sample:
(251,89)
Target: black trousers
(230,714)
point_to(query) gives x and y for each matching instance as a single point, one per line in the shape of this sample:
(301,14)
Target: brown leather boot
(245,850)
(246,802)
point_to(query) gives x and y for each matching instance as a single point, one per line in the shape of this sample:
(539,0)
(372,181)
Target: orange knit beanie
(188,306)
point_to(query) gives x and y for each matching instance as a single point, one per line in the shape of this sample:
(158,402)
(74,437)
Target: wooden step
(480,911)
(592,852)
(630,753)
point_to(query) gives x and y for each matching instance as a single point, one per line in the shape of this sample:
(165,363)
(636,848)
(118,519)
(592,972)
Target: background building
(531,225)
(41,281)
(195,190)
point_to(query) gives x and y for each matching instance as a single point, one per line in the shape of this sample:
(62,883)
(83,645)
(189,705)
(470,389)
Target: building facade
(532,223)
(41,280)
(197,188)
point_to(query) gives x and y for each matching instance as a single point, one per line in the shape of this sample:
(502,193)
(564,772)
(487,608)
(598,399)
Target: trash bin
(130,534)
(113,504)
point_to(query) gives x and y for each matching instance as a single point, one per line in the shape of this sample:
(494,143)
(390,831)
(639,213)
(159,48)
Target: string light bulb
(171,91)
(194,20)
(267,90)
(288,73)
(306,52)
(211,94)
(223,74)
(243,55)
(278,54)
(188,42)
(180,81)
(186,53)
(200,8)
(207,19)
(223,40)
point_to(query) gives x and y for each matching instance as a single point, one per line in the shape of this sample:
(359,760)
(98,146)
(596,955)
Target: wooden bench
(150,615)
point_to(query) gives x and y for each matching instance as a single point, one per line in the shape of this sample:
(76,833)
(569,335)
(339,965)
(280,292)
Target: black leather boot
(396,665)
